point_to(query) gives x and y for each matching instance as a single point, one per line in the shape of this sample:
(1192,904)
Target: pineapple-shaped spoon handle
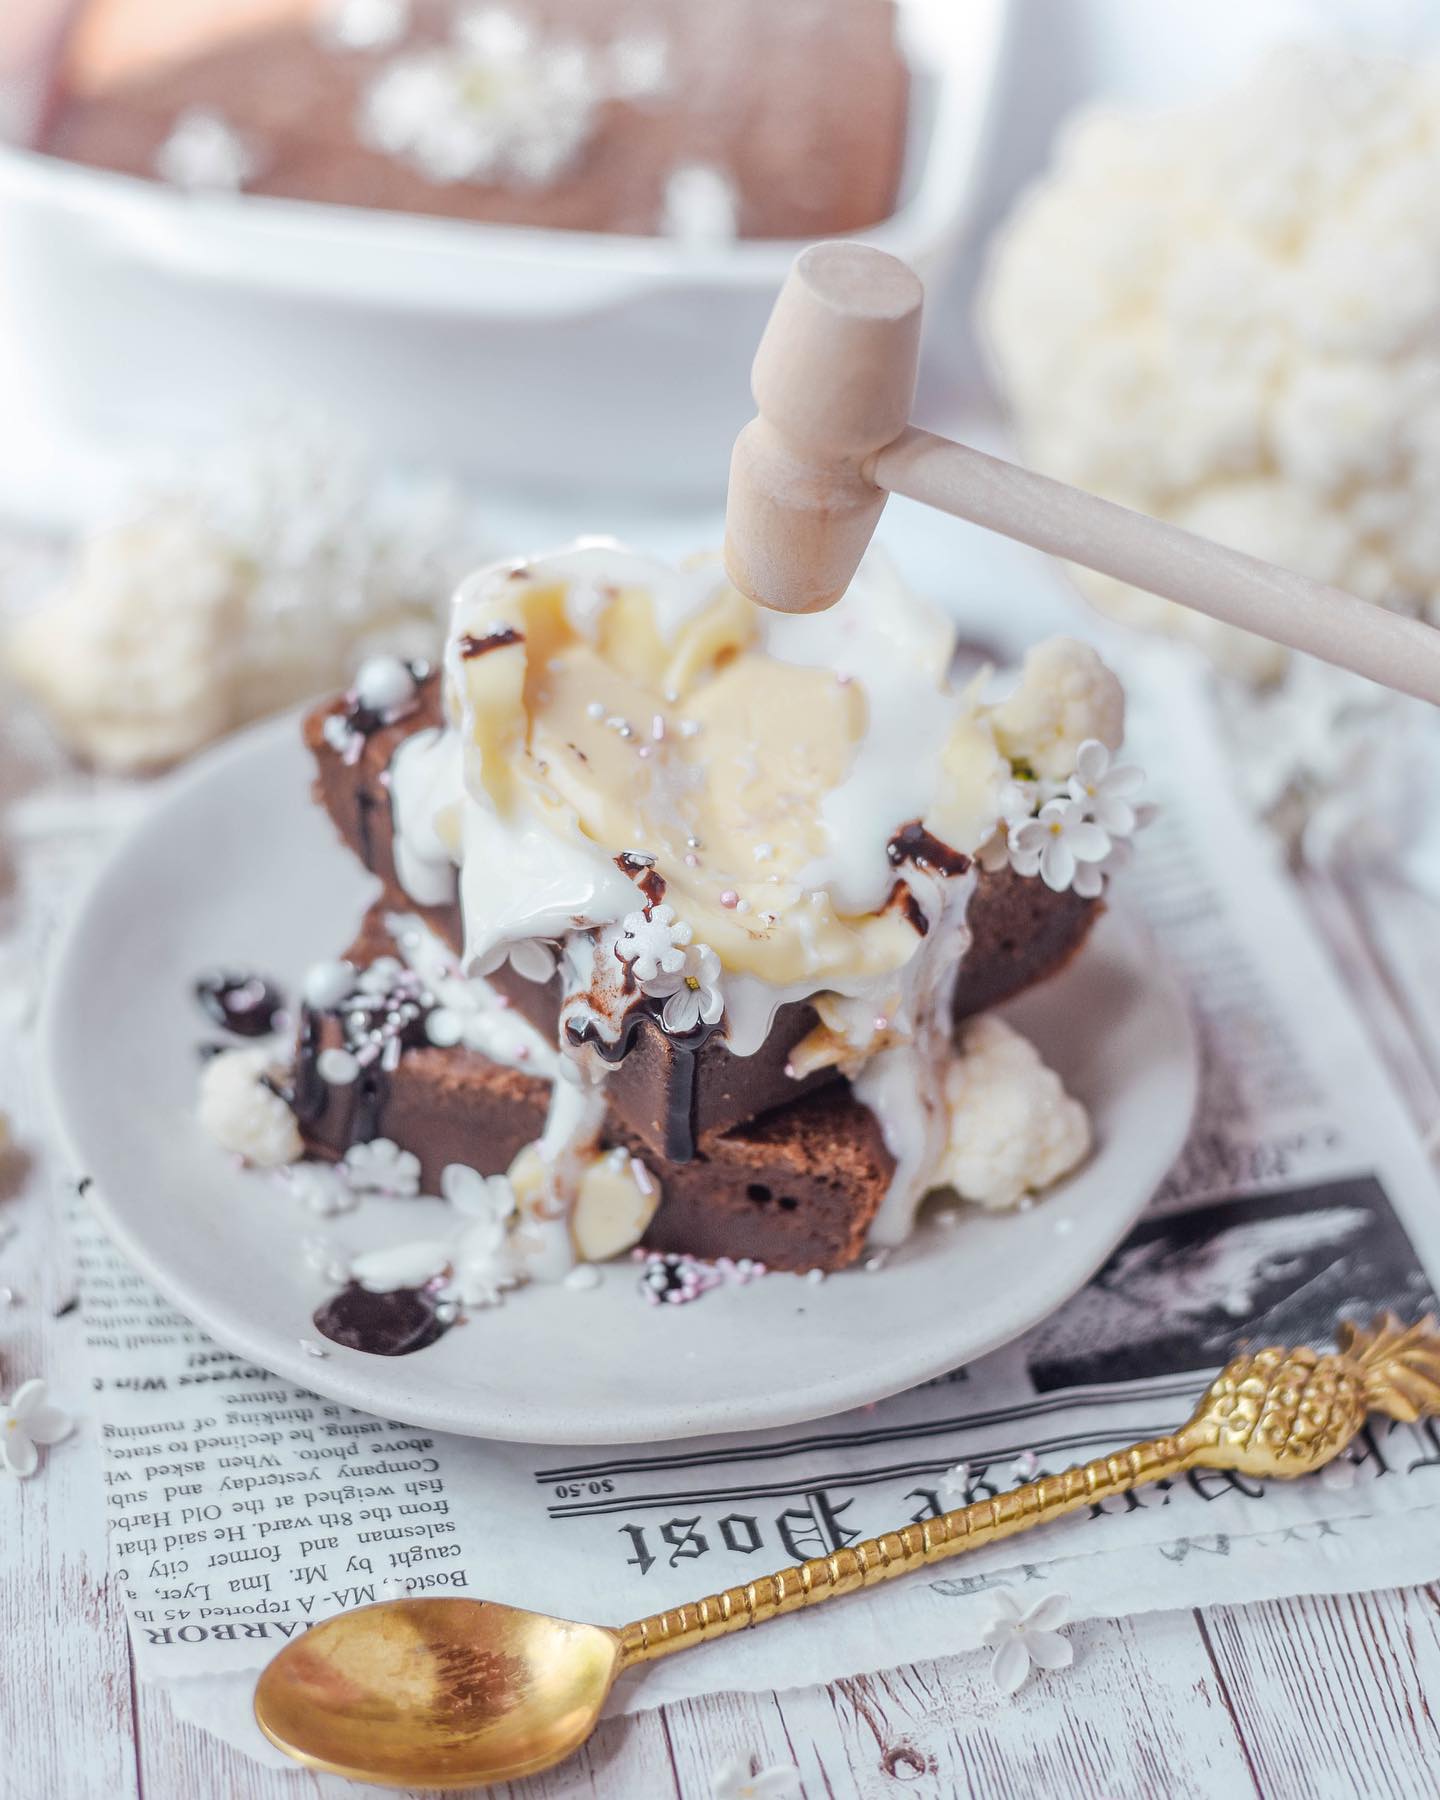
(1273,1413)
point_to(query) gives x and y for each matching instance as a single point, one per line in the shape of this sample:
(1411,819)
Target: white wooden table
(1310,1699)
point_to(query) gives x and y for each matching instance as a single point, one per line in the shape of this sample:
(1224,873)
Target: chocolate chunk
(248,1005)
(393,1324)
(913,843)
(496,639)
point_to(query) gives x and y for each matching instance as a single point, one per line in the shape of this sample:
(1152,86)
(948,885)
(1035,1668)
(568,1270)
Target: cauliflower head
(1065,695)
(1246,339)
(1013,1130)
(243,1113)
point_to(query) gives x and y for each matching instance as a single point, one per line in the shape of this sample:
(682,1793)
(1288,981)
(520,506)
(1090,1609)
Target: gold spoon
(450,1693)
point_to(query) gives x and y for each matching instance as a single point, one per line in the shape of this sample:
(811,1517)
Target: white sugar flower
(382,1167)
(534,958)
(733,1781)
(477,1196)
(954,1485)
(380,978)
(363,24)
(1090,878)
(1017,801)
(1057,843)
(485,1266)
(1022,1639)
(27,1421)
(204,153)
(496,103)
(1106,793)
(653,943)
(692,993)
(485,1263)
(321,1187)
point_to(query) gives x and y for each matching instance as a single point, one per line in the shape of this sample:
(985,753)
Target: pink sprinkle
(644,750)
(502,1000)
(657,728)
(522,1052)
(792,1072)
(729,898)
(383,779)
(881,1022)
(692,861)
(844,680)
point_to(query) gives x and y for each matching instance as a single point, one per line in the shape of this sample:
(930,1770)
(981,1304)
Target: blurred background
(308,305)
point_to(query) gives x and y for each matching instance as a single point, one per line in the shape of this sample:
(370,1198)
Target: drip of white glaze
(903,1081)
(425,778)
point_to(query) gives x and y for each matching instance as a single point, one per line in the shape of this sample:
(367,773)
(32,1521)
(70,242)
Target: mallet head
(834,379)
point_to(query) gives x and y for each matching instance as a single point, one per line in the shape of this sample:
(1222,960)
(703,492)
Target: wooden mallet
(834,379)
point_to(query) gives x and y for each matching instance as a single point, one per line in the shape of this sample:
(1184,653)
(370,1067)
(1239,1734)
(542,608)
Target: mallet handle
(1226,584)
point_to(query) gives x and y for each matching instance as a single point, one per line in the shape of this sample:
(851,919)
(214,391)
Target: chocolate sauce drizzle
(394,1324)
(642,871)
(684,1052)
(493,640)
(902,896)
(365,720)
(913,843)
(247,1005)
(365,808)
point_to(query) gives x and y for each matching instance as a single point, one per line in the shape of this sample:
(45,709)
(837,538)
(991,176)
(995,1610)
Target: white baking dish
(521,356)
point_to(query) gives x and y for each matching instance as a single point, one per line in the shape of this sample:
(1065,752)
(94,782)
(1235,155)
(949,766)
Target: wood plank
(1334,1695)
(706,1733)
(1139,1713)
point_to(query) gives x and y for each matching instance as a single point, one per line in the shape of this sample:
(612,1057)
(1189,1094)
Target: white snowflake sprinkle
(653,943)
(382,1167)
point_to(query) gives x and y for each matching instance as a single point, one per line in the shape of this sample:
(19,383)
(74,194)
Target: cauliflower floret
(245,1115)
(1013,1128)
(260,574)
(1066,694)
(125,655)
(1247,338)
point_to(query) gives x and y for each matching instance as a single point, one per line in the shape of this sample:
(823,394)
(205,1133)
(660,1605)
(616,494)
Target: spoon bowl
(441,1693)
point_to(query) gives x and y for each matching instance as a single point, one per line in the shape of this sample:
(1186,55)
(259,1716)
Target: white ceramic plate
(236,867)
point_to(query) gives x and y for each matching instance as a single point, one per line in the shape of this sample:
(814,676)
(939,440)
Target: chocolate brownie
(799,106)
(667,1096)
(795,1190)
(1020,932)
